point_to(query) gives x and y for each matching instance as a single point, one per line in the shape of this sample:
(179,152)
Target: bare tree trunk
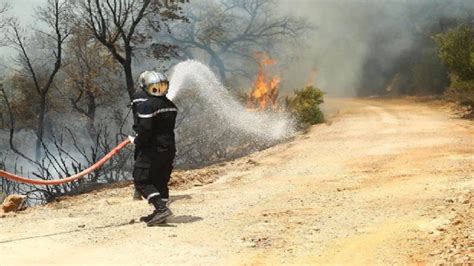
(127,68)
(40,127)
(118,26)
(91,108)
(89,112)
(53,16)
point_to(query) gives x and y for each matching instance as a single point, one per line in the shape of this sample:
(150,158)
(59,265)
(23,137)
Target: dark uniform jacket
(156,118)
(137,98)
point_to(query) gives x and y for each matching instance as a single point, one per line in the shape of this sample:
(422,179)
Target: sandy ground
(384,182)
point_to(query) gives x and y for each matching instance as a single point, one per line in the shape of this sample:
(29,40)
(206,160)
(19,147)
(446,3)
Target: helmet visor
(158,89)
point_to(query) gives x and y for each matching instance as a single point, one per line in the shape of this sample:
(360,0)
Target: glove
(132,139)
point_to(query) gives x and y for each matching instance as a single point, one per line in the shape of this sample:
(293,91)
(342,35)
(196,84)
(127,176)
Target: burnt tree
(54,15)
(123,25)
(229,29)
(90,76)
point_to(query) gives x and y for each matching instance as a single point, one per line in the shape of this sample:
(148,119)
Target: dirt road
(386,181)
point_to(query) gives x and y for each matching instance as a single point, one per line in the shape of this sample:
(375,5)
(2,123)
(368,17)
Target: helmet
(154,83)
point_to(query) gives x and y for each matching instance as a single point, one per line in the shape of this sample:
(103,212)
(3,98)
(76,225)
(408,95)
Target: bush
(462,92)
(305,106)
(456,50)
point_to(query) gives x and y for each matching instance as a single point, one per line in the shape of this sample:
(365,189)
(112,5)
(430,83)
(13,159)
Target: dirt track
(387,181)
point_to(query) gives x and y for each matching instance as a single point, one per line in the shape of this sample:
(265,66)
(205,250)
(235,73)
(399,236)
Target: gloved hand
(132,139)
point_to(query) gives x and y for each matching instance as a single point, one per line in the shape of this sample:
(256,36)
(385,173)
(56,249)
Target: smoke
(351,37)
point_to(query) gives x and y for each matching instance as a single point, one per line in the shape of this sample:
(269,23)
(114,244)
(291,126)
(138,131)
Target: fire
(264,94)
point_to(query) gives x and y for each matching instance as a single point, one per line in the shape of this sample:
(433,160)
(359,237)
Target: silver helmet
(154,83)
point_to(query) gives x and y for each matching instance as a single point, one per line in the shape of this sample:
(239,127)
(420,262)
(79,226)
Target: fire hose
(72,178)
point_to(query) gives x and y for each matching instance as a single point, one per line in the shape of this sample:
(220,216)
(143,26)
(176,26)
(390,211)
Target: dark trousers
(152,173)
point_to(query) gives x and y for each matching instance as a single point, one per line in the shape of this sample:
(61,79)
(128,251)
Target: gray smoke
(351,34)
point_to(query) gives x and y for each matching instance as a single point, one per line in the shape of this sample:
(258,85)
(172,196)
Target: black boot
(167,202)
(160,214)
(147,217)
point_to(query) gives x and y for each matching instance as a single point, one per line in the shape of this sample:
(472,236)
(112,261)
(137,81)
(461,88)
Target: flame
(312,77)
(264,94)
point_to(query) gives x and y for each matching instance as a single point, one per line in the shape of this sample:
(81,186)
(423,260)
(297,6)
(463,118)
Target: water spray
(196,77)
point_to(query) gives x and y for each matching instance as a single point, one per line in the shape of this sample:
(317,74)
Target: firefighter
(139,96)
(155,143)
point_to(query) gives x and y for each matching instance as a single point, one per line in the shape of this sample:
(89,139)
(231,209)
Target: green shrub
(456,50)
(462,92)
(305,106)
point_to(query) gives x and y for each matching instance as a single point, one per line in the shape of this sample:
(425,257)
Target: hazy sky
(24,11)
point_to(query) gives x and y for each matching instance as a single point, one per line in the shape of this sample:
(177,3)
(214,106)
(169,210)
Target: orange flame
(264,94)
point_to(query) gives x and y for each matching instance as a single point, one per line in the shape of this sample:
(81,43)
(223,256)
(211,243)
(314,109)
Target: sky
(23,10)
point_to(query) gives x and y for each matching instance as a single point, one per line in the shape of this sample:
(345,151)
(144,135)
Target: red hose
(77,176)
